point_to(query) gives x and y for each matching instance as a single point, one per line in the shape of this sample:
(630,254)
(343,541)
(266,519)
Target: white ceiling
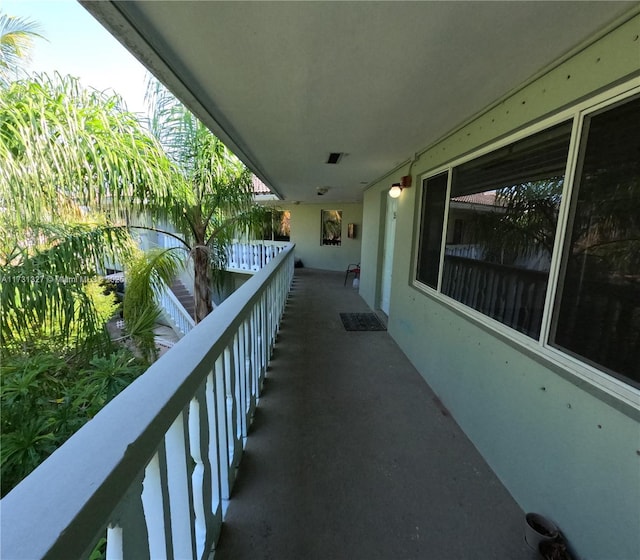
(286,83)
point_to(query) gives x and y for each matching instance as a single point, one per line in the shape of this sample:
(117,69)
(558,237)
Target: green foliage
(105,377)
(16,36)
(45,397)
(75,165)
(100,550)
(522,223)
(53,290)
(64,147)
(146,273)
(76,170)
(28,325)
(215,192)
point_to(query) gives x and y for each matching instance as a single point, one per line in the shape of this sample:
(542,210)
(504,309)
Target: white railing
(170,242)
(153,470)
(250,257)
(466,251)
(168,301)
(241,257)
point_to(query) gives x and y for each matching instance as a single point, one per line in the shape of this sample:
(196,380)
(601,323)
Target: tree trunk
(201,284)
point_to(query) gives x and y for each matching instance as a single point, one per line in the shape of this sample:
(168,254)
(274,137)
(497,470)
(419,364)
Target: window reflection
(501,226)
(598,316)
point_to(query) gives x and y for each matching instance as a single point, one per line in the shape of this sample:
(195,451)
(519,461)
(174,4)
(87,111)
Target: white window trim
(581,371)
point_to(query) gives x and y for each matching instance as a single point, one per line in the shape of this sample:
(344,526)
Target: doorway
(387,253)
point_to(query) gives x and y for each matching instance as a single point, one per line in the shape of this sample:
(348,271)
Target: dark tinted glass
(501,228)
(598,316)
(434,196)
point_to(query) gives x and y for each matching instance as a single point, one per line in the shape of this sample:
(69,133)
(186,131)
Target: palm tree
(73,165)
(16,41)
(217,201)
(79,173)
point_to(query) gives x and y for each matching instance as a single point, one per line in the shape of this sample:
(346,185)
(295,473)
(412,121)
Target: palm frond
(144,277)
(62,145)
(44,285)
(215,193)
(16,42)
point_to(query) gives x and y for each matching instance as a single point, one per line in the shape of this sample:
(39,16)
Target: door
(387,253)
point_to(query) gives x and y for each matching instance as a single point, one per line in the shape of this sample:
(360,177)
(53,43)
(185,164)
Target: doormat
(361,322)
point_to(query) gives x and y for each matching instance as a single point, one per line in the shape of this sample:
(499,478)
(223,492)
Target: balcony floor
(351,455)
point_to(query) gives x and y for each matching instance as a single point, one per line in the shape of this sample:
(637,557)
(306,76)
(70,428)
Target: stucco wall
(305,233)
(561,450)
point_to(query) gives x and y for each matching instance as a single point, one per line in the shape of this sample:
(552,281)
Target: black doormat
(361,322)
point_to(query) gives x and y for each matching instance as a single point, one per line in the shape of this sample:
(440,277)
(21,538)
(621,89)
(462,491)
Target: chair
(352,269)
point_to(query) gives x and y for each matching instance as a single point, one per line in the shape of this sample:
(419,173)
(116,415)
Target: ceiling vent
(335,157)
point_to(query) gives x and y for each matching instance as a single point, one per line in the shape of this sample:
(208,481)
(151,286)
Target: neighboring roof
(259,187)
(484,199)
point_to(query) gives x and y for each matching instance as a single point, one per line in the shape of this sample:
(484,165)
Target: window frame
(541,349)
(272,237)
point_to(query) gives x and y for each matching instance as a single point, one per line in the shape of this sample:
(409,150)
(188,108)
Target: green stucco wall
(561,450)
(305,233)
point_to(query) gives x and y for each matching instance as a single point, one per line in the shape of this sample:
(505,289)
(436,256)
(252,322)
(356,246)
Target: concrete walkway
(351,456)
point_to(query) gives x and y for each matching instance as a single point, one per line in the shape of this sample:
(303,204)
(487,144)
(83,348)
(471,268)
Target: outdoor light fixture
(396,189)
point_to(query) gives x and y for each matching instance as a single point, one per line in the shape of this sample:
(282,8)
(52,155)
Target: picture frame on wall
(331,224)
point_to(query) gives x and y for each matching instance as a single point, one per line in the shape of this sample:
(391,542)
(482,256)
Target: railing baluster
(241,364)
(200,432)
(243,258)
(213,453)
(235,444)
(255,257)
(115,548)
(249,375)
(155,505)
(179,485)
(220,394)
(272,311)
(262,337)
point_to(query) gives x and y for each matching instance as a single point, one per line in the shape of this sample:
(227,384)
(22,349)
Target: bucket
(538,529)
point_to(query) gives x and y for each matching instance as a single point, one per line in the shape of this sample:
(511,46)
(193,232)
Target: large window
(277,225)
(598,308)
(502,220)
(497,222)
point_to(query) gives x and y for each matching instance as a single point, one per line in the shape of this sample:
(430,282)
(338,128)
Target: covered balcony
(308,440)
(351,455)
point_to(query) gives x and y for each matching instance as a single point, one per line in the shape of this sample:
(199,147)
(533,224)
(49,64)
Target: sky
(77,44)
